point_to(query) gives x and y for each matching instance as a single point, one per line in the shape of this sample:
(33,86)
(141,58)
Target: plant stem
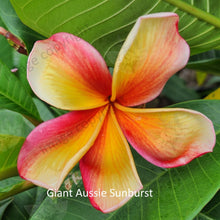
(14,41)
(34,121)
(200,14)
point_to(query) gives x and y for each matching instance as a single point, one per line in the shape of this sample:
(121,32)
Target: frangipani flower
(68,73)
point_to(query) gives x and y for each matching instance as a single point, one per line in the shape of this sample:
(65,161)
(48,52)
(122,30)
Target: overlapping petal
(54,147)
(109,167)
(68,73)
(167,137)
(152,52)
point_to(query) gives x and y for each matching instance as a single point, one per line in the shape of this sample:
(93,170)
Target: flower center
(110,102)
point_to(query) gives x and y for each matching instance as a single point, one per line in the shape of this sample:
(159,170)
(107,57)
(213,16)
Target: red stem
(16,43)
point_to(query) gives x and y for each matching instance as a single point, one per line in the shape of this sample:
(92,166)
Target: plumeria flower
(68,73)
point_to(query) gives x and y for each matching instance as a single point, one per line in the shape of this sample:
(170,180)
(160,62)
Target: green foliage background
(178,193)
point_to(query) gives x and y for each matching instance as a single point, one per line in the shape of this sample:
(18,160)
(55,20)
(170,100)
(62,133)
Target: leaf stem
(200,14)
(14,41)
(34,121)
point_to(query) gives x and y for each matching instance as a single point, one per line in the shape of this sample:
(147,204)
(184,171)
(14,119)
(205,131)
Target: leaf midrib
(203,15)
(180,4)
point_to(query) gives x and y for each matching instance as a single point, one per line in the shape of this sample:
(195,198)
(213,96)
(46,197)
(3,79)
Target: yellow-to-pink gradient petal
(68,73)
(54,147)
(167,137)
(152,52)
(108,168)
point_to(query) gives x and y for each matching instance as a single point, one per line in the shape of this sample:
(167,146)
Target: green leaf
(6,50)
(13,130)
(212,209)
(24,204)
(15,26)
(20,62)
(178,193)
(106,23)
(13,95)
(3,205)
(176,90)
(9,150)
(43,109)
(15,124)
(214,80)
(208,62)
(58,112)
(201,216)
(12,186)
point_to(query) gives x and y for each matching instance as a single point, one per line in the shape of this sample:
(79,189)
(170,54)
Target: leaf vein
(188,25)
(126,25)
(106,19)
(77,15)
(174,193)
(158,200)
(205,43)
(203,170)
(50,10)
(199,35)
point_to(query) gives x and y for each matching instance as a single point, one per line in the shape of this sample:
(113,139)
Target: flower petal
(109,166)
(152,52)
(167,137)
(68,73)
(54,147)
